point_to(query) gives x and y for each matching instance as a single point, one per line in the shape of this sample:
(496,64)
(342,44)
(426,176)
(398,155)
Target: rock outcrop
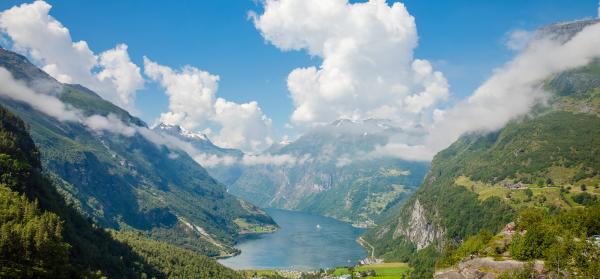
(420,229)
(486,268)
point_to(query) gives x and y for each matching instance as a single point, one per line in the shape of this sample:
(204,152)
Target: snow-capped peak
(193,135)
(169,127)
(178,130)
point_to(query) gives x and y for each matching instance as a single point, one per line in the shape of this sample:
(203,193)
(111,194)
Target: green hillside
(336,178)
(548,160)
(42,237)
(128,183)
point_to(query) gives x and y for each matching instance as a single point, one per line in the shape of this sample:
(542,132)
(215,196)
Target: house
(514,186)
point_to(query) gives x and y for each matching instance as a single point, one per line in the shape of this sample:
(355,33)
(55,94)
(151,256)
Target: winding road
(364,243)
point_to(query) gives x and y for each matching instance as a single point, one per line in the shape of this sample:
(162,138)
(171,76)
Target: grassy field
(270,274)
(382,270)
(542,196)
(253,228)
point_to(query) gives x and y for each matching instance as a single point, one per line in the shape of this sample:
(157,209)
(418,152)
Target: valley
(304,242)
(543,163)
(124,180)
(327,171)
(373,163)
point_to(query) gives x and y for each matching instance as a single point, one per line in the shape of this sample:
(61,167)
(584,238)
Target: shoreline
(350,242)
(243,237)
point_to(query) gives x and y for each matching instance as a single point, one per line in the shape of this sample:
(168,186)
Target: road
(364,243)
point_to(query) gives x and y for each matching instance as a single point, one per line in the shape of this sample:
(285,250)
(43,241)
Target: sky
(258,65)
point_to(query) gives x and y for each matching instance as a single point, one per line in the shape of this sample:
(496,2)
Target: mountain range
(329,170)
(546,160)
(44,237)
(111,196)
(124,180)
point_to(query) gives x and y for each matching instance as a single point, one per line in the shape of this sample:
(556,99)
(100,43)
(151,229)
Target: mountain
(198,140)
(328,171)
(43,237)
(548,160)
(128,182)
(224,173)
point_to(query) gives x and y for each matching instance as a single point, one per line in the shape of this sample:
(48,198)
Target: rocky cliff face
(420,229)
(564,31)
(488,268)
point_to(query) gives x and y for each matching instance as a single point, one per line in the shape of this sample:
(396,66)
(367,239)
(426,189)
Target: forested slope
(548,160)
(42,236)
(126,181)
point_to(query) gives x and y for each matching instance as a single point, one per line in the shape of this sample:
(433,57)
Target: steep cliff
(420,229)
(545,159)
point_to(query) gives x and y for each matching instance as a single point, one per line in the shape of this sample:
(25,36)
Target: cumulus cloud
(123,75)
(47,42)
(112,74)
(193,104)
(367,69)
(191,93)
(242,125)
(192,101)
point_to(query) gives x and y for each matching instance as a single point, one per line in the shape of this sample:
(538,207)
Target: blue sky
(464,39)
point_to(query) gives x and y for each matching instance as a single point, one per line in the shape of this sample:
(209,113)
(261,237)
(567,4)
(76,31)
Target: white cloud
(53,107)
(242,126)
(109,123)
(191,93)
(518,39)
(212,160)
(34,32)
(121,73)
(47,104)
(509,93)
(404,151)
(276,160)
(193,104)
(368,70)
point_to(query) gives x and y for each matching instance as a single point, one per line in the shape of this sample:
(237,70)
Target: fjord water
(303,242)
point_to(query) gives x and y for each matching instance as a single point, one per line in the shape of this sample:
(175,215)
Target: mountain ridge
(484,180)
(44,237)
(128,182)
(331,172)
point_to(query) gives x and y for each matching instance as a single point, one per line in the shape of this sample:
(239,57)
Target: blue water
(300,245)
